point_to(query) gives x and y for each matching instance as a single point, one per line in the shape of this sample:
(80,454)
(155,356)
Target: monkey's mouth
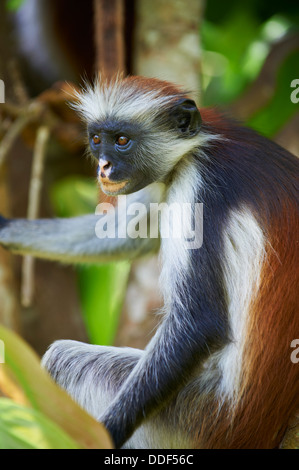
(112,187)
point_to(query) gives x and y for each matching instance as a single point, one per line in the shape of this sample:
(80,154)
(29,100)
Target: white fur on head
(141,100)
(122,99)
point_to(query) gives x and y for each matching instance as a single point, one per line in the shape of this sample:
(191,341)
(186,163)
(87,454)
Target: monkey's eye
(96,139)
(122,140)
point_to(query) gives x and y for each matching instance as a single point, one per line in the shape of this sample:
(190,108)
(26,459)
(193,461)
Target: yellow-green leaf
(23,365)
(25,428)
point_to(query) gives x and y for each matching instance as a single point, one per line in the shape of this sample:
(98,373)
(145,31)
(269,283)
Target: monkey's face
(118,148)
(134,153)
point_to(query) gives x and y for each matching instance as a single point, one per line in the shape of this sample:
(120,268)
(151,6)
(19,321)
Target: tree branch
(27,286)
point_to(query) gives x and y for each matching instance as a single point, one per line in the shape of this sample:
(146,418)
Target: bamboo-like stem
(43,133)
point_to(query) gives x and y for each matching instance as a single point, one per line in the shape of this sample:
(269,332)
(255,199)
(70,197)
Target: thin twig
(18,85)
(43,134)
(16,128)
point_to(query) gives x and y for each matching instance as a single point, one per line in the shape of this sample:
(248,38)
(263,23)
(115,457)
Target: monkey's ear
(186,117)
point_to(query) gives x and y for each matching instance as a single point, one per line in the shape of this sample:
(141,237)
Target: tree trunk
(109,36)
(167,46)
(167,41)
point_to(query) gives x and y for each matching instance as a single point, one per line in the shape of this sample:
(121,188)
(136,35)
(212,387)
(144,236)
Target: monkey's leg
(93,375)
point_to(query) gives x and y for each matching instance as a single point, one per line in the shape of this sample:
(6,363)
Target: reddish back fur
(148,84)
(269,393)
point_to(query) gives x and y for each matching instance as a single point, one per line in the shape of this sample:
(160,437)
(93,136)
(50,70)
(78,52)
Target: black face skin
(121,144)
(122,156)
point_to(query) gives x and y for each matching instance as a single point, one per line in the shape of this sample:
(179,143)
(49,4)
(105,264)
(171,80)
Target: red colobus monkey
(218,372)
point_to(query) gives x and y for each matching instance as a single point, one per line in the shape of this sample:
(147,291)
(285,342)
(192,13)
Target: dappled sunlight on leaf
(46,397)
(25,428)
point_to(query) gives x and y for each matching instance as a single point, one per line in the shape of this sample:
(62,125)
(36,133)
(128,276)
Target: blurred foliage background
(236,40)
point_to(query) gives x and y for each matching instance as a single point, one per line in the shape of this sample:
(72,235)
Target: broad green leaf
(14,4)
(22,365)
(74,196)
(102,289)
(224,57)
(26,428)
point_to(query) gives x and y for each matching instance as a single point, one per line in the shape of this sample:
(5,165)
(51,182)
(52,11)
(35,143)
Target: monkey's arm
(74,240)
(69,240)
(167,363)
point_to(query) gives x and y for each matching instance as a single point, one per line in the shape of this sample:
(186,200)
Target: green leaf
(74,195)
(14,4)
(224,75)
(102,289)
(22,365)
(234,51)
(26,428)
(280,108)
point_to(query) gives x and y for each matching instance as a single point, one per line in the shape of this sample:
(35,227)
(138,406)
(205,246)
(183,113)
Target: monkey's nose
(105,168)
